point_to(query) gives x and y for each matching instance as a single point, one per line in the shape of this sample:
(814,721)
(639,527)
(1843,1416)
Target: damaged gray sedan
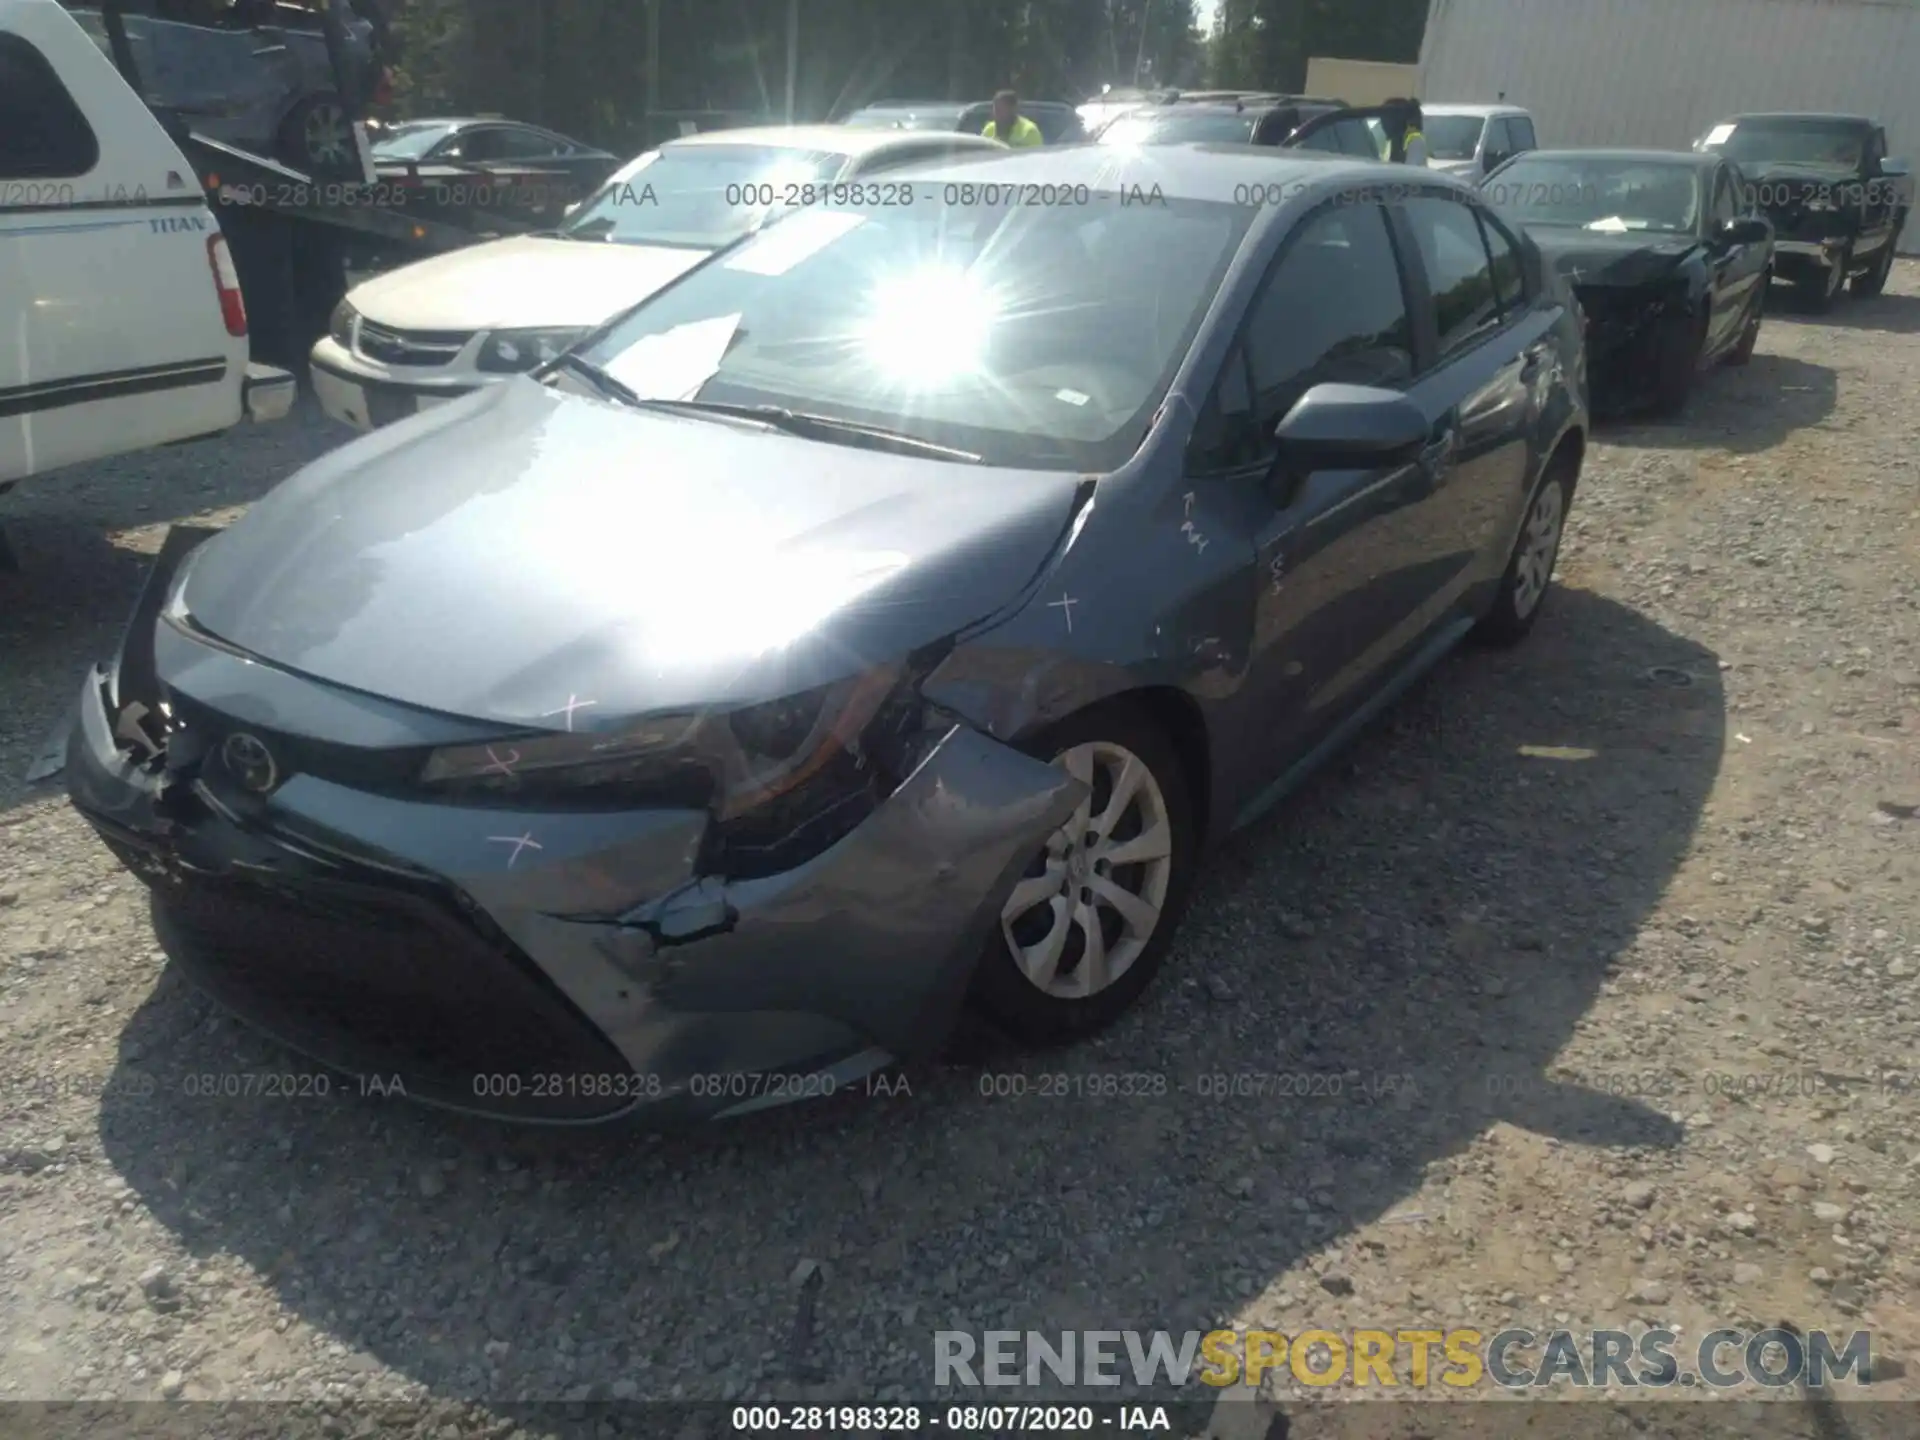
(883,618)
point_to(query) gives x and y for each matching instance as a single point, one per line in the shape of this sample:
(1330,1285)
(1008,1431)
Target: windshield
(937,118)
(1836,144)
(699,197)
(1041,337)
(1599,194)
(410,142)
(1180,129)
(1453,137)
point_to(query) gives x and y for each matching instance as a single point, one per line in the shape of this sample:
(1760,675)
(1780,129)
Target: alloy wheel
(325,136)
(1539,548)
(1092,900)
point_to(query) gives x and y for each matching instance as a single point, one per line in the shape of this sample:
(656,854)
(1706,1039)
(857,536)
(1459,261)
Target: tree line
(581,66)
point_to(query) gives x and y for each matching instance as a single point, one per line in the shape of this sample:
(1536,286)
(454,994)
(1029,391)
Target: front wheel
(1523,588)
(1865,287)
(1087,926)
(317,137)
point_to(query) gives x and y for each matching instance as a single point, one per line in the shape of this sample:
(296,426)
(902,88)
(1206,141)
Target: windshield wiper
(773,417)
(597,377)
(821,427)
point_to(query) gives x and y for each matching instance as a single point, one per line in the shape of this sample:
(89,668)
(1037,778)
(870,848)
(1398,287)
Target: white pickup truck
(121,320)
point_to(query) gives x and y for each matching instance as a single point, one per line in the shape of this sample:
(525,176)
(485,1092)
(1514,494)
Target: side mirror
(1348,427)
(1897,169)
(1747,231)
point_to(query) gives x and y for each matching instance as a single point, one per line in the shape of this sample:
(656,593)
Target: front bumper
(590,975)
(1623,336)
(365,396)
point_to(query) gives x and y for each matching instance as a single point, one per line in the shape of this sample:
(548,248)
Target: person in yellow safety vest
(1008,125)
(1408,146)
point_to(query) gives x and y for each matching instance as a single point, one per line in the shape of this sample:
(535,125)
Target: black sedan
(520,171)
(1664,251)
(890,611)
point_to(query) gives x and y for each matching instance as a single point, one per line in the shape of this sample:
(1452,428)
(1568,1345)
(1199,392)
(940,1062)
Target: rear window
(43,135)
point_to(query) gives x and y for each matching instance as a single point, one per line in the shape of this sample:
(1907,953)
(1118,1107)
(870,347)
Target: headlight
(1819,202)
(508,352)
(342,325)
(734,761)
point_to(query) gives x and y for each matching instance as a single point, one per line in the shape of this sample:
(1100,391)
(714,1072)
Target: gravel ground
(1525,931)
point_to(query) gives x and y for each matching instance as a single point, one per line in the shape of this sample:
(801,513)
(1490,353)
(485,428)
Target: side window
(1876,147)
(1459,270)
(1521,128)
(43,135)
(1726,199)
(1499,144)
(520,145)
(1332,310)
(1355,139)
(480,145)
(1327,138)
(1509,274)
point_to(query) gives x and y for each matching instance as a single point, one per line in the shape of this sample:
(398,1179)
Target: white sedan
(439,328)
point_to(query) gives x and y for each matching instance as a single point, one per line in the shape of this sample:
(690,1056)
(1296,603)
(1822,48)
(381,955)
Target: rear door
(1485,355)
(114,338)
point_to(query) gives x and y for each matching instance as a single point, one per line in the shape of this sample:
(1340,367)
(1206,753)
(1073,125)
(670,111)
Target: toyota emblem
(250,762)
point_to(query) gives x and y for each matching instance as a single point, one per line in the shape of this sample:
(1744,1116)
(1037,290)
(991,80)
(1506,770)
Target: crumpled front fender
(883,930)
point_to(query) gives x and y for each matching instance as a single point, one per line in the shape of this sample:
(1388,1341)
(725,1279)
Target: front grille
(376,981)
(199,732)
(410,347)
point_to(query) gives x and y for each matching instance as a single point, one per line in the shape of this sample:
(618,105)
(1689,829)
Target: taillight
(226,279)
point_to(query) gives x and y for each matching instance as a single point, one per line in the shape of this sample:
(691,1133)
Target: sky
(1208,9)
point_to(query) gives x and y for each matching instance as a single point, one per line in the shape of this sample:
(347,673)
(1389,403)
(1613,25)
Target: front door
(1327,543)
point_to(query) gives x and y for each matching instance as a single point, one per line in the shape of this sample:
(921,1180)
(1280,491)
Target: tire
(1678,362)
(317,137)
(1820,294)
(1042,907)
(1528,578)
(1742,352)
(1865,287)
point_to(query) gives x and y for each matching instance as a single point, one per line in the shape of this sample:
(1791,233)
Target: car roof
(833,139)
(1191,171)
(1798,115)
(1485,112)
(1691,158)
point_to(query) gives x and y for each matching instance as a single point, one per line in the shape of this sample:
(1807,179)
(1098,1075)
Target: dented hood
(1597,257)
(521,549)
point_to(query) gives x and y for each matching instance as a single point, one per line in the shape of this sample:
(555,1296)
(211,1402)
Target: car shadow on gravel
(1367,984)
(1887,314)
(1742,410)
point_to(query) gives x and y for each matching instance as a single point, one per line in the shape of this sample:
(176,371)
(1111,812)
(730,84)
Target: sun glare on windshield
(930,324)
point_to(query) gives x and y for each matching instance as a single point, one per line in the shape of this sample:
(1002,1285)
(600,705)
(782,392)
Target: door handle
(1436,455)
